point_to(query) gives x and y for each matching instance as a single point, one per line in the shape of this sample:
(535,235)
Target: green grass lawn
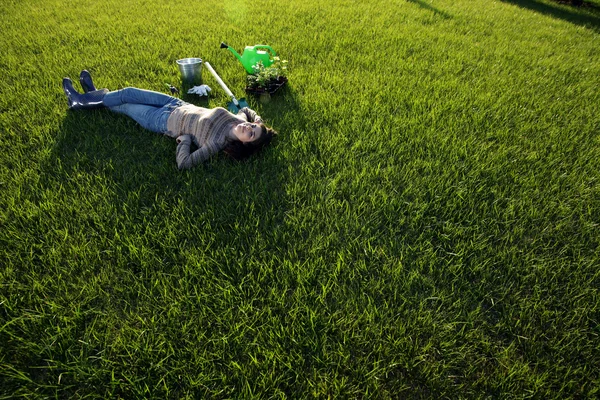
(425,225)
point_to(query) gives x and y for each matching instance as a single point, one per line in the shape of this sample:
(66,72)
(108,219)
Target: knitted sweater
(208,129)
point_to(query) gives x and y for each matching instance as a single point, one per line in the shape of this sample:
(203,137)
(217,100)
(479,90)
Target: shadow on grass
(588,17)
(110,160)
(429,7)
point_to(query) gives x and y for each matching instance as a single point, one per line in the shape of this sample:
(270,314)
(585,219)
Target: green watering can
(252,55)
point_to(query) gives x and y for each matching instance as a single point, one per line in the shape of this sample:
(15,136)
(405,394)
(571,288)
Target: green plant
(265,76)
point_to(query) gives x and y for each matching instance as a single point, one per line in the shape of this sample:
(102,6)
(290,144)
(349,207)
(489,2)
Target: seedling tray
(273,87)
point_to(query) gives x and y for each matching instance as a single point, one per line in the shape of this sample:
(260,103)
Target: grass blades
(426,223)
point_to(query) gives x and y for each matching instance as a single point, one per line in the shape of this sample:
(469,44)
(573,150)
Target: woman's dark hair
(239,150)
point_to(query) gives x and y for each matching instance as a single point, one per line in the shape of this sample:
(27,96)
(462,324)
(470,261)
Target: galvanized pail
(191,70)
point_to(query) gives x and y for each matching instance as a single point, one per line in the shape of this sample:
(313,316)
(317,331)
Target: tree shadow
(588,16)
(429,7)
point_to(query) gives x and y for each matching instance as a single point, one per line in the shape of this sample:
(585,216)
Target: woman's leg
(132,95)
(149,117)
(150,109)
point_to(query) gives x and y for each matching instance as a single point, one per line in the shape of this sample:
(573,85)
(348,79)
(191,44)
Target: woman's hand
(182,138)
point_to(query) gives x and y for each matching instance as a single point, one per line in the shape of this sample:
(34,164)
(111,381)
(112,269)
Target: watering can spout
(235,53)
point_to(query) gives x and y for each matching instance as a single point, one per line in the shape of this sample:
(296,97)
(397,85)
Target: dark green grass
(426,225)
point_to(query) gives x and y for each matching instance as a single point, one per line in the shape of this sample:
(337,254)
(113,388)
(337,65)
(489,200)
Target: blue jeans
(150,109)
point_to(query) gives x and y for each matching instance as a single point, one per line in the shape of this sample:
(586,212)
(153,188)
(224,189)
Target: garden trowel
(234,105)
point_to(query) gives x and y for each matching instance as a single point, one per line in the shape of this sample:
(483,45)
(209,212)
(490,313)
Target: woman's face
(247,131)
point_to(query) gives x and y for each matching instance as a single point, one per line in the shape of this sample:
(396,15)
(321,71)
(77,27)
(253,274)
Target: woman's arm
(187,160)
(251,115)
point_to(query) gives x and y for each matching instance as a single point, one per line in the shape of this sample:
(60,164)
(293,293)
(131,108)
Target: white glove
(201,90)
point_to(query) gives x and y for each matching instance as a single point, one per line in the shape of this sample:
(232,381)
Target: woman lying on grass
(211,130)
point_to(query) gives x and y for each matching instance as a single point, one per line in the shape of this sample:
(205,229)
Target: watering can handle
(262,46)
(221,83)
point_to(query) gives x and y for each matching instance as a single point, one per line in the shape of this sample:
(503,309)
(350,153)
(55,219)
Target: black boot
(86,81)
(86,101)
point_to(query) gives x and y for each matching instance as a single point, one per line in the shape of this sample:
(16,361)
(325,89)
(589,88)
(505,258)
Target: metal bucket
(191,70)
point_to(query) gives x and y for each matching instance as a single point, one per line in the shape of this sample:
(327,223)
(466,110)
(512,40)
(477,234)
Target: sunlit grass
(424,226)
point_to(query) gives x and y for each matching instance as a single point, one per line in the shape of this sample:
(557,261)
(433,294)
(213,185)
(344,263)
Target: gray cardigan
(209,129)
